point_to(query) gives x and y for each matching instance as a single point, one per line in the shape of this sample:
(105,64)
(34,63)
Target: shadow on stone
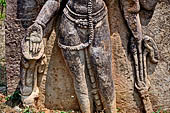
(14,99)
(3,81)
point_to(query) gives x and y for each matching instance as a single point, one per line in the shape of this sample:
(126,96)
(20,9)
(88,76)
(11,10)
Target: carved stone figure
(86,47)
(141,46)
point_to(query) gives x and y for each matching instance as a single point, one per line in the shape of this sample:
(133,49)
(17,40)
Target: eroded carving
(141,46)
(33,63)
(86,47)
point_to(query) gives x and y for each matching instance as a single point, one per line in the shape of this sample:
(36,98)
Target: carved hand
(34,36)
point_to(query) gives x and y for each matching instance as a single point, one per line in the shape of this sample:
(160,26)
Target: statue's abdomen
(80,6)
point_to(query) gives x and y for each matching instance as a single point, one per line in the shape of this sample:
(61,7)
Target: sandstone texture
(56,84)
(2,43)
(2,58)
(19,15)
(159,30)
(128,100)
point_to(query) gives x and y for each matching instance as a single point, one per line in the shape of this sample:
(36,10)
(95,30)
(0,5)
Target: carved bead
(96,97)
(92,79)
(93,86)
(98,102)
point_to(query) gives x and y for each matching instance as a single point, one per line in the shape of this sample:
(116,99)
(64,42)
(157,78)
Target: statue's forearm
(131,9)
(47,12)
(134,24)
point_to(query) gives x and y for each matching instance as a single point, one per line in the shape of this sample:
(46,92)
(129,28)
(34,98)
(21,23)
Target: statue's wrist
(40,23)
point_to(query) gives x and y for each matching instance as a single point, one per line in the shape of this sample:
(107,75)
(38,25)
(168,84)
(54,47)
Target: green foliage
(118,110)
(70,111)
(14,99)
(2,7)
(3,3)
(160,110)
(26,110)
(15,96)
(7,97)
(29,110)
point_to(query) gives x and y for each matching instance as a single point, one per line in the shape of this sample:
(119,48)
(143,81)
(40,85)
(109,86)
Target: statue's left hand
(34,37)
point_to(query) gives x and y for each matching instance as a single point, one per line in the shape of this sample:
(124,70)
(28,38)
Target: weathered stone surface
(2,42)
(101,61)
(159,29)
(19,15)
(59,90)
(2,58)
(128,99)
(56,85)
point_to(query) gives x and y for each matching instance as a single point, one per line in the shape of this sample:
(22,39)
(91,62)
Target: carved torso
(80,6)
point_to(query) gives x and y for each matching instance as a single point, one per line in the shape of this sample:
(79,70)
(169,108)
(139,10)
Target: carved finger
(135,56)
(34,47)
(39,48)
(30,46)
(140,60)
(144,65)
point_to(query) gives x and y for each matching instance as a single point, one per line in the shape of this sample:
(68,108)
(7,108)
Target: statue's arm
(35,34)
(131,9)
(148,4)
(50,8)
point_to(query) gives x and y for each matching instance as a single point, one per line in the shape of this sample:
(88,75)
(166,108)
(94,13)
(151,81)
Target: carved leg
(26,88)
(76,63)
(29,73)
(92,77)
(101,63)
(100,52)
(27,79)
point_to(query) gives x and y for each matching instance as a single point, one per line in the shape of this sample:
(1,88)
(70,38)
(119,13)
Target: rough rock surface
(56,86)
(128,99)
(2,58)
(159,30)
(2,42)
(18,17)
(59,91)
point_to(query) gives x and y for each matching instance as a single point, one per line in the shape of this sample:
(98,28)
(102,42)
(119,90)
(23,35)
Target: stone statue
(86,46)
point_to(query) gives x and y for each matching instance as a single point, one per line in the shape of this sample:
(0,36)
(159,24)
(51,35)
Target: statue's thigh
(75,60)
(101,59)
(101,50)
(68,33)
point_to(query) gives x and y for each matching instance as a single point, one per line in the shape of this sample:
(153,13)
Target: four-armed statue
(86,46)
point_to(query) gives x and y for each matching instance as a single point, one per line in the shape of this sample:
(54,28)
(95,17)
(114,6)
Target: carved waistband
(88,21)
(82,20)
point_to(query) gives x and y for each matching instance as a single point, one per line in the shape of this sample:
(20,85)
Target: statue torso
(80,6)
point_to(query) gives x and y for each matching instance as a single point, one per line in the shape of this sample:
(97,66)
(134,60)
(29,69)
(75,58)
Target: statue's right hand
(34,37)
